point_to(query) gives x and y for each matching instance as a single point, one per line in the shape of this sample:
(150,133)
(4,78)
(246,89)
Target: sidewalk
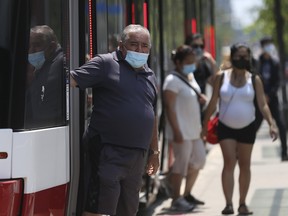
(268,193)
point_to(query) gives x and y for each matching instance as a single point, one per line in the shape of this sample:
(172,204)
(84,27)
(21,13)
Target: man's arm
(154,142)
(153,159)
(89,74)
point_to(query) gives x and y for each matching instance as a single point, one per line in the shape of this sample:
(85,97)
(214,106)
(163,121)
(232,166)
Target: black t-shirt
(269,70)
(124,101)
(202,73)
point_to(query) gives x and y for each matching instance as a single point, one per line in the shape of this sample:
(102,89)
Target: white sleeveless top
(240,111)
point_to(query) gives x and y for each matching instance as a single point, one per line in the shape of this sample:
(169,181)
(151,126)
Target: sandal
(243,210)
(228,209)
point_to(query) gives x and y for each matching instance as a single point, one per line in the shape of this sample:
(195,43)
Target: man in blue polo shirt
(123,124)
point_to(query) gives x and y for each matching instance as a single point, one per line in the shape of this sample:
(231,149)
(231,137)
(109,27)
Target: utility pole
(280,31)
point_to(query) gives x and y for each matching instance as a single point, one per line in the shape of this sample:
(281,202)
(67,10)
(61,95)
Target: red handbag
(212,136)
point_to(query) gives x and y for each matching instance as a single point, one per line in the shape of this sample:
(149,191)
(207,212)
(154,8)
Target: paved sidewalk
(268,193)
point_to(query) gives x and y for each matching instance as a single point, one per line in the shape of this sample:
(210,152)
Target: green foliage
(266,25)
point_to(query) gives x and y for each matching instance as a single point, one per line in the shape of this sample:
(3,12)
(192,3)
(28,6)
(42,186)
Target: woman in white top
(184,126)
(236,128)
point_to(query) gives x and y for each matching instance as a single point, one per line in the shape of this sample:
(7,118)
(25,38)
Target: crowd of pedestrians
(125,92)
(244,85)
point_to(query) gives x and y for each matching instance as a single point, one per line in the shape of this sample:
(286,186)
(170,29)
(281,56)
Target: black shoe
(284,158)
(243,210)
(228,210)
(191,199)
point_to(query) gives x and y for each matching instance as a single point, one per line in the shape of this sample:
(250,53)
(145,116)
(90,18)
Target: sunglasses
(195,46)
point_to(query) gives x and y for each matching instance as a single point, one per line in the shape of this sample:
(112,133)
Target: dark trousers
(279,119)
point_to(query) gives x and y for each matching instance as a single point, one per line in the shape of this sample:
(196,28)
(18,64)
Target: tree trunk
(279,21)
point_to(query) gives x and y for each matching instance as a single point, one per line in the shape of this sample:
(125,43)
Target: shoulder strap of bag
(254,86)
(221,81)
(187,83)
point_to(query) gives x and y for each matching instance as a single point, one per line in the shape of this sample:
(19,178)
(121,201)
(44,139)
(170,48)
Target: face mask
(190,68)
(241,63)
(37,59)
(199,53)
(268,48)
(136,59)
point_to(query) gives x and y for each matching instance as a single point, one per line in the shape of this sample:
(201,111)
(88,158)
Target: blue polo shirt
(124,100)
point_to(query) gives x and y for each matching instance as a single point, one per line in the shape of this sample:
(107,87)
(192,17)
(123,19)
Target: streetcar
(42,167)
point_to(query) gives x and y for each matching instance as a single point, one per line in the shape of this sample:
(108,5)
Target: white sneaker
(181,204)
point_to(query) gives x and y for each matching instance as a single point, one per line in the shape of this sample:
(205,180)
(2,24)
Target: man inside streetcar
(123,125)
(45,80)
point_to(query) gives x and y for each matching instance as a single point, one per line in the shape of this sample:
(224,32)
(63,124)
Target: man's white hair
(134,28)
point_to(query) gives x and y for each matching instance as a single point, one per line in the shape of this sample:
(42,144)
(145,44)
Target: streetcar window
(111,19)
(46,74)
(5,7)
(116,22)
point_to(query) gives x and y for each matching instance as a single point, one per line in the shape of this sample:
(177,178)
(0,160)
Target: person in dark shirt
(206,64)
(268,67)
(235,93)
(46,80)
(123,125)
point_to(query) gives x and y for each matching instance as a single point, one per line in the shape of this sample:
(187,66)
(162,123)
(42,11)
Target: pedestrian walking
(268,68)
(236,129)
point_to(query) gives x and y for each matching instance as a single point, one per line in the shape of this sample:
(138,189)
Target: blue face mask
(199,53)
(189,68)
(37,59)
(136,59)
(268,48)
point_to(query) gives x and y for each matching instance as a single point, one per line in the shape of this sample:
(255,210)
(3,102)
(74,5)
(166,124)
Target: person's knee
(199,159)
(197,165)
(229,164)
(244,166)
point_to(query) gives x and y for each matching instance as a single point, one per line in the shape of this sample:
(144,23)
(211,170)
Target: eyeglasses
(195,46)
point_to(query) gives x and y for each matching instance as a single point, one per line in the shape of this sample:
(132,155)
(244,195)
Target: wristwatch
(154,152)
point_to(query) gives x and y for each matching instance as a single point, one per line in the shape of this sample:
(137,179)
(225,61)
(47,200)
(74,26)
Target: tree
(266,22)
(279,20)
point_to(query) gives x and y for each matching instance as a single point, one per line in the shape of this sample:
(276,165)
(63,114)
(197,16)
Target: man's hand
(73,82)
(152,164)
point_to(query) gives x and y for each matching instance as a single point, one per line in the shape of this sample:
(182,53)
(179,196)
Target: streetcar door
(34,130)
